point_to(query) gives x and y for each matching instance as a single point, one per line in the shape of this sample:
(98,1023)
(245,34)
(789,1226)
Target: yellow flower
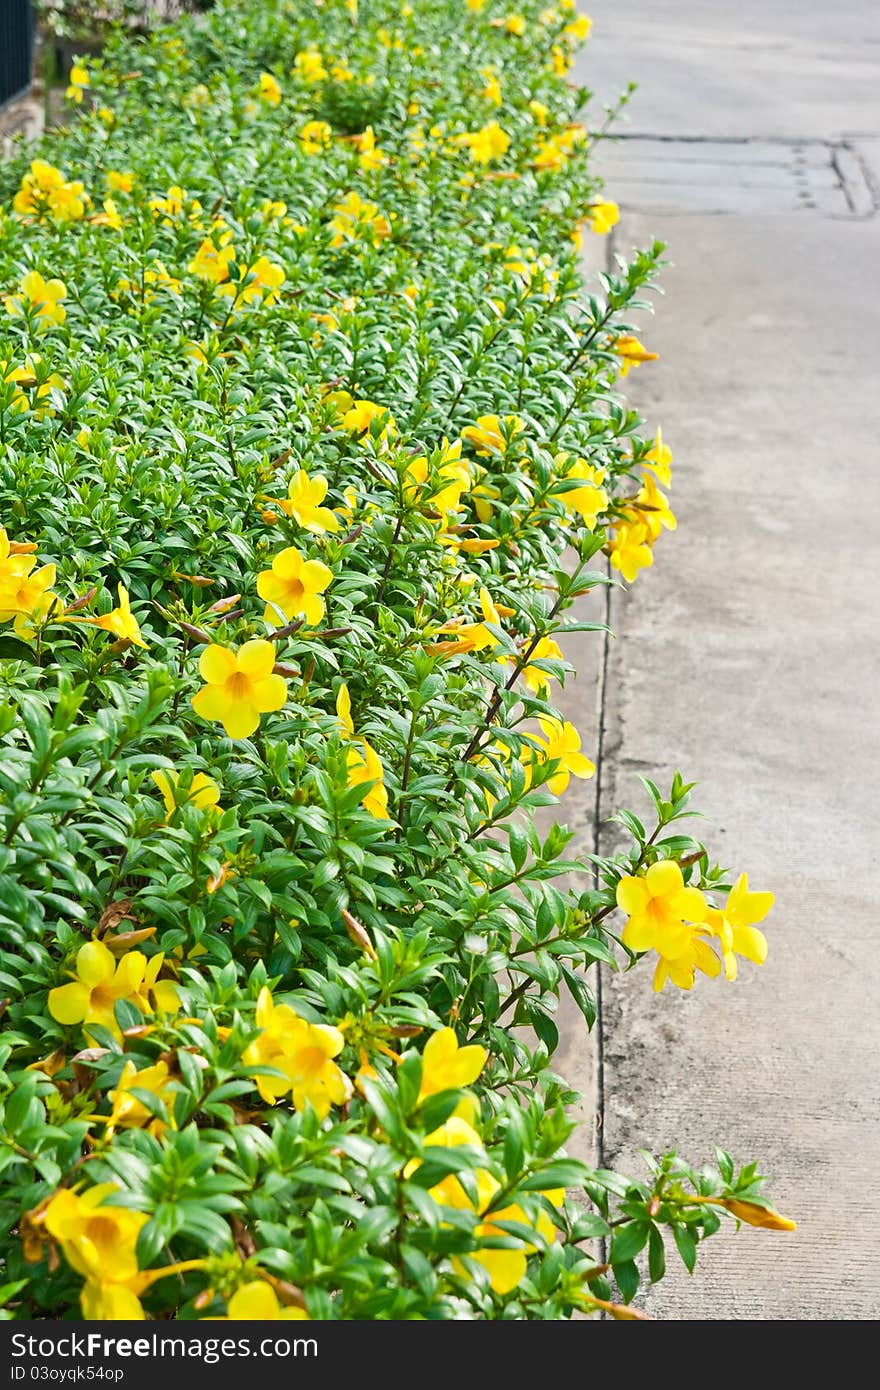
(202,792)
(603,216)
(303,1052)
(630,550)
(586,496)
(269,90)
(363,762)
(172,207)
(453,478)
(353,217)
(369,155)
(155,995)
(40,298)
(562,745)
(491,142)
(110,217)
(492,89)
(79,80)
(120,621)
(257,1301)
(303,503)
(578,29)
(26,597)
(514,24)
(655,513)
(293,587)
(631,352)
(240,686)
(506,1267)
(261,281)
(316,136)
(447,1066)
(361,415)
(130,1113)
(665,915)
(308,66)
(120,181)
(470,637)
(211,261)
(659,459)
(734,925)
(534,677)
(97,1240)
(100,980)
(44,192)
(100,1243)
(491,435)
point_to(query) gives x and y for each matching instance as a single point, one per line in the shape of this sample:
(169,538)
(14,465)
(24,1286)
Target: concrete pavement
(748,656)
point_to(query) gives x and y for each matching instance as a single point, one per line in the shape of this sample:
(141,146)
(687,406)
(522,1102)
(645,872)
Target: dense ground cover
(303,400)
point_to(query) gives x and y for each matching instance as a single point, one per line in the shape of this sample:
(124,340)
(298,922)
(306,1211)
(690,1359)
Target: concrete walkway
(749,655)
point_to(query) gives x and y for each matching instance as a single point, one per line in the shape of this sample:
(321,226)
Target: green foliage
(383,879)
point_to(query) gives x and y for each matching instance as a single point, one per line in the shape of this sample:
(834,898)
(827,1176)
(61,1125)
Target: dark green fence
(16,48)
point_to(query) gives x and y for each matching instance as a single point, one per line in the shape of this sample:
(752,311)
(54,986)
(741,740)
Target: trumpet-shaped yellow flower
(211,261)
(316,136)
(100,1242)
(535,678)
(79,80)
(490,436)
(361,414)
(40,298)
(514,24)
(630,549)
(586,496)
(45,192)
(369,155)
(562,744)
(99,981)
(269,89)
(128,1111)
(578,29)
(26,597)
(257,1301)
(470,637)
(754,1215)
(155,995)
(354,218)
(491,142)
(120,180)
(303,503)
(506,1267)
(240,686)
(603,216)
(303,1052)
(202,792)
(659,459)
(293,587)
(667,916)
(734,925)
(97,1240)
(632,353)
(308,66)
(260,282)
(652,509)
(363,762)
(120,621)
(446,1065)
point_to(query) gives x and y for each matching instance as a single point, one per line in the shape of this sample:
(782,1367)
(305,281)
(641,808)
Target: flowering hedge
(303,400)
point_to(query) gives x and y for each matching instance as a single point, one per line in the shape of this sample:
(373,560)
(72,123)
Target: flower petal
(69,1003)
(216,664)
(256,658)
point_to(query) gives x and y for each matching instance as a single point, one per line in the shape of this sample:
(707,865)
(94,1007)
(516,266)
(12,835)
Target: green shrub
(303,406)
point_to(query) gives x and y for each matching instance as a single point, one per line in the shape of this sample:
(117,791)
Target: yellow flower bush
(311,440)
